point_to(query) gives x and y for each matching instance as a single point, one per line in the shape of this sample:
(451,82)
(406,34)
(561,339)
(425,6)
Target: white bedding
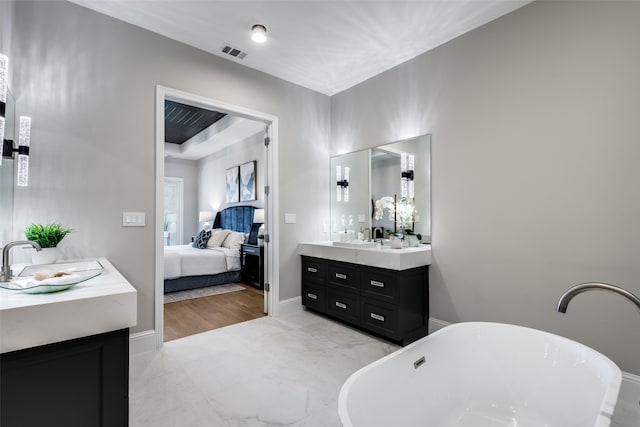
(185,260)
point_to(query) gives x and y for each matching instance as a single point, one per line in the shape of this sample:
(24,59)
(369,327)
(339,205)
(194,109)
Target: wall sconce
(342,184)
(4,76)
(205,217)
(407,164)
(24,141)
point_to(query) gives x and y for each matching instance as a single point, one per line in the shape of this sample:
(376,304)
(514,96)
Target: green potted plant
(48,236)
(260,239)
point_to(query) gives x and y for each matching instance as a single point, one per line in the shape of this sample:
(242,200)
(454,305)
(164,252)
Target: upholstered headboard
(238,218)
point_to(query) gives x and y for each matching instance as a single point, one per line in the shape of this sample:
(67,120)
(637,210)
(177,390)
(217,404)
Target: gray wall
(535,166)
(88,81)
(188,171)
(211,173)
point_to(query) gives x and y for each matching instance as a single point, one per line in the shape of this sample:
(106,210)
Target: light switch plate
(133,219)
(289,218)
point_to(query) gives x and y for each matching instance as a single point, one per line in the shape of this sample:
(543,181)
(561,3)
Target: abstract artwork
(232,183)
(248,181)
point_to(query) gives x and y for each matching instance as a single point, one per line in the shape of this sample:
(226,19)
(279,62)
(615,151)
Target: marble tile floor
(284,371)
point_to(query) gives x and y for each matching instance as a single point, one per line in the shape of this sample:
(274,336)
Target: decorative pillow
(201,239)
(234,240)
(218,237)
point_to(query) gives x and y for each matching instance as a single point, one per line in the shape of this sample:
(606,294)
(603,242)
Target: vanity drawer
(313,270)
(381,318)
(343,275)
(380,284)
(314,297)
(343,305)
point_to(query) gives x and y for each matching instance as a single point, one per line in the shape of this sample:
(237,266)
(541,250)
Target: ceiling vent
(232,51)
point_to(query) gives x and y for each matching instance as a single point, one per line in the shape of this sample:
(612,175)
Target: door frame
(271,202)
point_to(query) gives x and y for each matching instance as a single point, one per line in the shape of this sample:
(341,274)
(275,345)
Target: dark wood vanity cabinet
(77,383)
(390,303)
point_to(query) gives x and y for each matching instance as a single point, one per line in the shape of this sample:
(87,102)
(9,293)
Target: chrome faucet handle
(5,272)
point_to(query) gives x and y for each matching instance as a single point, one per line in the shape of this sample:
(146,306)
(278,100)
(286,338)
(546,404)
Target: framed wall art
(248,181)
(233,184)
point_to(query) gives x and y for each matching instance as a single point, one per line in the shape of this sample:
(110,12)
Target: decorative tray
(56,284)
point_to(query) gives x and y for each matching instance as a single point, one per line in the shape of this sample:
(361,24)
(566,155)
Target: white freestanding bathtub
(484,374)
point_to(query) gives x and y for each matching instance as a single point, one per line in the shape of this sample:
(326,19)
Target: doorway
(270,124)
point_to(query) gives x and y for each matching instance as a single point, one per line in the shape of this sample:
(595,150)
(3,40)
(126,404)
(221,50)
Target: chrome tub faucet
(563,303)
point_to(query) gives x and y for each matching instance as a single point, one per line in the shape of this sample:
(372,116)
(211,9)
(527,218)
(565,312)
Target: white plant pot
(45,256)
(396,242)
(260,242)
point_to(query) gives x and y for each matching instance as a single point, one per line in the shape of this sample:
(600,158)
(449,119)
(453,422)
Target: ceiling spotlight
(259,33)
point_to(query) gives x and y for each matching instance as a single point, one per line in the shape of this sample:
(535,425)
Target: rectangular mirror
(7,176)
(381,190)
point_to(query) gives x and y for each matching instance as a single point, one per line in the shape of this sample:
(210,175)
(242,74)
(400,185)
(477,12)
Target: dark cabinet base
(392,304)
(82,382)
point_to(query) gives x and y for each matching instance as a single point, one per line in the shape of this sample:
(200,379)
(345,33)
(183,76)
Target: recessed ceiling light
(259,33)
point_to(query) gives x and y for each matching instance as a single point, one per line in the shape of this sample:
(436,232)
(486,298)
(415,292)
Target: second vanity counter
(104,303)
(380,256)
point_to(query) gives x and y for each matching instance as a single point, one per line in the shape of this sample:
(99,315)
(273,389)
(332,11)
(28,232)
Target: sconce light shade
(24,141)
(342,184)
(205,216)
(258,216)
(407,165)
(4,78)
(259,33)
(1,137)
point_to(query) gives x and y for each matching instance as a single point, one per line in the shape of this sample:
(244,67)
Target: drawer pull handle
(341,276)
(377,317)
(378,284)
(341,305)
(312,270)
(312,296)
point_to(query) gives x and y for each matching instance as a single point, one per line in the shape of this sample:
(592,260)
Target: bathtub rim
(605,414)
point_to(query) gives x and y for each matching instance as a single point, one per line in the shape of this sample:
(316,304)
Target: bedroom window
(173,211)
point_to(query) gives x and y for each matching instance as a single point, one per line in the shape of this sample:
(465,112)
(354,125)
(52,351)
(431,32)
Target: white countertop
(381,256)
(105,303)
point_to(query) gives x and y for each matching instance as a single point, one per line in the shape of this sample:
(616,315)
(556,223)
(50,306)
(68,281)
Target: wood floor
(184,318)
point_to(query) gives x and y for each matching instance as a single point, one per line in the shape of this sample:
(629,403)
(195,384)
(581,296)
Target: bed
(186,267)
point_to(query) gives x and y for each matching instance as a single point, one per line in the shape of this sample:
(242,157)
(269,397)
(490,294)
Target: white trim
(290,305)
(272,210)
(632,378)
(435,324)
(142,341)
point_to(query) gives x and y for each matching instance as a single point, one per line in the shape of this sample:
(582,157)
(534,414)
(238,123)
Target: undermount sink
(357,244)
(66,267)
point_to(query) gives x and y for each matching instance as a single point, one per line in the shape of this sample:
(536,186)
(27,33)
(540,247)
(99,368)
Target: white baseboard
(143,341)
(290,305)
(435,324)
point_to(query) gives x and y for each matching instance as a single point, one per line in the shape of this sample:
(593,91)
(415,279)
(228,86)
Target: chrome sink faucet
(563,303)
(5,273)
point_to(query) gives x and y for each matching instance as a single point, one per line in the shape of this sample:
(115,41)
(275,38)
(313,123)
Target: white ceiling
(327,46)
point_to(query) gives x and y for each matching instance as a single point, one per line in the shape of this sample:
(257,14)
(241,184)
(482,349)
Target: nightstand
(252,265)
